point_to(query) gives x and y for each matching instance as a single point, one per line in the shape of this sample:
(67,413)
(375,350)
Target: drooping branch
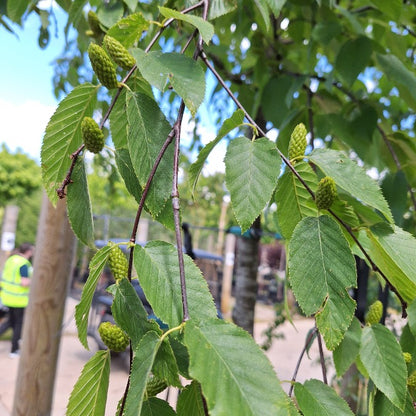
(306,346)
(306,186)
(322,357)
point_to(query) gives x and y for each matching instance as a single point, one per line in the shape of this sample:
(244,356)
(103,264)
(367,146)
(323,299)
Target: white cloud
(23,126)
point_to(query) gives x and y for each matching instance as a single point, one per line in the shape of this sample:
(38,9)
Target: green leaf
(165,366)
(190,401)
(76,11)
(126,170)
(251,172)
(230,124)
(157,267)
(63,136)
(235,375)
(293,201)
(89,395)
(16,9)
(118,122)
(383,359)
(395,189)
(324,32)
(144,357)
(316,398)
(221,7)
(347,351)
(352,178)
(408,344)
(79,205)
(383,406)
(157,407)
(397,72)
(411,316)
(183,73)
(352,58)
(129,29)
(82,310)
(264,11)
(391,8)
(321,269)
(276,6)
(129,312)
(205,28)
(392,249)
(147,133)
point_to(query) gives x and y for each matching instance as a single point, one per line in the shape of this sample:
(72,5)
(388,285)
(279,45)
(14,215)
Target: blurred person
(15,290)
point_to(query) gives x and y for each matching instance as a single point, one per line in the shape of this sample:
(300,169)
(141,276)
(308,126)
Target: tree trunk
(53,265)
(247,261)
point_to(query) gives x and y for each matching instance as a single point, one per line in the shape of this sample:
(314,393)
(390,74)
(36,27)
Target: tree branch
(322,357)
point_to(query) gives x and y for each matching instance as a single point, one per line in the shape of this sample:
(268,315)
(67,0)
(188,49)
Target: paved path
(283,355)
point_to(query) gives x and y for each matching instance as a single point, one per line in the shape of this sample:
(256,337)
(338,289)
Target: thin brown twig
(74,156)
(322,357)
(306,346)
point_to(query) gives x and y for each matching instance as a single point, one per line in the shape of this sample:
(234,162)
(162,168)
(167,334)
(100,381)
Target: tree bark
(53,265)
(247,262)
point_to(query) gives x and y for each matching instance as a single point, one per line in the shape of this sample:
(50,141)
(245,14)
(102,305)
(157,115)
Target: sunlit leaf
(251,171)
(94,379)
(63,136)
(220,350)
(321,270)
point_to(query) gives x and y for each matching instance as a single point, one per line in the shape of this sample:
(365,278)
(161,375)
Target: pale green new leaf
(129,29)
(79,205)
(205,28)
(251,171)
(89,395)
(316,398)
(129,312)
(63,136)
(83,308)
(382,357)
(157,267)
(148,130)
(352,178)
(190,401)
(392,250)
(293,201)
(264,11)
(183,73)
(144,357)
(157,407)
(235,375)
(230,124)
(347,351)
(321,270)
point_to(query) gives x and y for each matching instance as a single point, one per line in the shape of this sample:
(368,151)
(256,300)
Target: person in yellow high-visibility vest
(15,285)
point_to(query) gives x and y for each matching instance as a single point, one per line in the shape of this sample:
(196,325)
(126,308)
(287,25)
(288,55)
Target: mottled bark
(247,261)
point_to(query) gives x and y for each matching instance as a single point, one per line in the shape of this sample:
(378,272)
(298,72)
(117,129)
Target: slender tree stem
(74,156)
(322,357)
(307,344)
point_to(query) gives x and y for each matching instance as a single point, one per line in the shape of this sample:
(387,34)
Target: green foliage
(346,71)
(95,377)
(19,176)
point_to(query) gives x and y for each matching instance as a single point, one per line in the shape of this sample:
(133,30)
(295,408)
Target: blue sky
(26,92)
